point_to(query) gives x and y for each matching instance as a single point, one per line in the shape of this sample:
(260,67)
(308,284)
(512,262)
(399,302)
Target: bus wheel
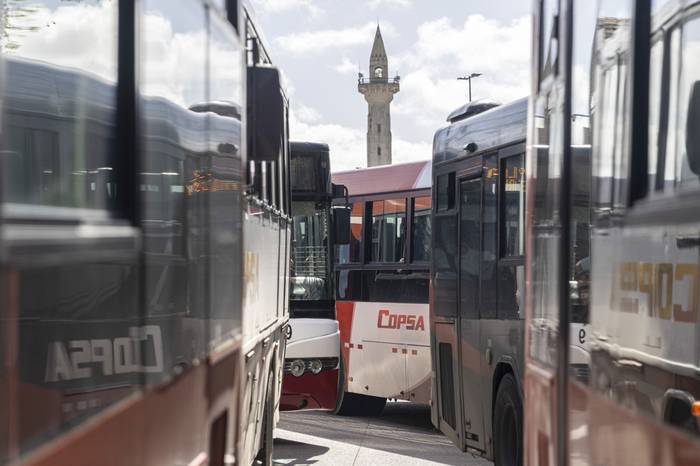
(508,424)
(264,456)
(354,404)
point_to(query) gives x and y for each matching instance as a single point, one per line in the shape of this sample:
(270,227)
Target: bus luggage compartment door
(449,404)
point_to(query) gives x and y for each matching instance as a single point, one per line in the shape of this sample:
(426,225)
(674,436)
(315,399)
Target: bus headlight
(315,366)
(297,368)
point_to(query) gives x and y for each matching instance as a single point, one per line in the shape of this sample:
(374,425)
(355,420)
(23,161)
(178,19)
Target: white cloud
(348,145)
(74,36)
(281,6)
(374,4)
(317,41)
(443,51)
(346,66)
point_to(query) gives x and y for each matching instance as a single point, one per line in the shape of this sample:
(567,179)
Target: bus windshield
(310,266)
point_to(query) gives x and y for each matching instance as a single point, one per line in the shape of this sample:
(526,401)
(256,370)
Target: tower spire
(379,92)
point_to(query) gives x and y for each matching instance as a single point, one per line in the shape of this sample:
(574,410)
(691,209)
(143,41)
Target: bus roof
(386,178)
(303,146)
(492,128)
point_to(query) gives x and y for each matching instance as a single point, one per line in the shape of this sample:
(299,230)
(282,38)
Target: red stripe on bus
(344,311)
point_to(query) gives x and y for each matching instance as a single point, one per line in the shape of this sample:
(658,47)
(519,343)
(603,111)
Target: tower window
(379,150)
(379,128)
(378,72)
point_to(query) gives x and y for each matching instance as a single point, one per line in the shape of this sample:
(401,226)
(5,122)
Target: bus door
(469,279)
(447,415)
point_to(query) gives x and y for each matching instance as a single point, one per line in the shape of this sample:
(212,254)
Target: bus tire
(264,456)
(354,404)
(508,424)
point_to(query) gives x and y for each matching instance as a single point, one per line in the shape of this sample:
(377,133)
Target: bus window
(350,253)
(511,267)
(470,247)
(655,82)
(445,192)
(513,198)
(489,239)
(388,230)
(672,128)
(420,241)
(690,75)
(177,232)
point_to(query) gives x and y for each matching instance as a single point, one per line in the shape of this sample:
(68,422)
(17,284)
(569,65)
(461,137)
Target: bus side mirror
(339,190)
(341,224)
(692,130)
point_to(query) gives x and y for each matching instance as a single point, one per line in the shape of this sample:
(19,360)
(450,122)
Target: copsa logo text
(385,319)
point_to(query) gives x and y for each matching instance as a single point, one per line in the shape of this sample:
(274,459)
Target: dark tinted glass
(445,191)
(513,205)
(383,286)
(420,241)
(349,253)
(388,230)
(470,247)
(445,263)
(511,291)
(310,172)
(489,241)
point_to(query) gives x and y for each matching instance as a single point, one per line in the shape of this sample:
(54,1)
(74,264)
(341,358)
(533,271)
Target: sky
(321,44)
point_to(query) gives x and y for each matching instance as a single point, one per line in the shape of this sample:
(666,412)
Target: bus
(620,77)
(311,363)
(382,277)
(477,279)
(144,234)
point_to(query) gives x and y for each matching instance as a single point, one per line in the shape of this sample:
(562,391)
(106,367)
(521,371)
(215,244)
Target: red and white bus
(382,279)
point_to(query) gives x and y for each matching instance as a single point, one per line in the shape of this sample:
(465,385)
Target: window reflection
(420,241)
(388,230)
(77,319)
(513,192)
(309,267)
(350,253)
(58,104)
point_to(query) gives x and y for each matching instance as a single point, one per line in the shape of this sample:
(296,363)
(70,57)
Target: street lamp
(469,78)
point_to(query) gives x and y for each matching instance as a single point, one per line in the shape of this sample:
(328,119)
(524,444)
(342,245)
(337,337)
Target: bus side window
(350,253)
(388,230)
(445,192)
(420,229)
(511,264)
(445,250)
(690,75)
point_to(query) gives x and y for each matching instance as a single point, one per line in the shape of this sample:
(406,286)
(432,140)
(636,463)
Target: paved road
(401,436)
